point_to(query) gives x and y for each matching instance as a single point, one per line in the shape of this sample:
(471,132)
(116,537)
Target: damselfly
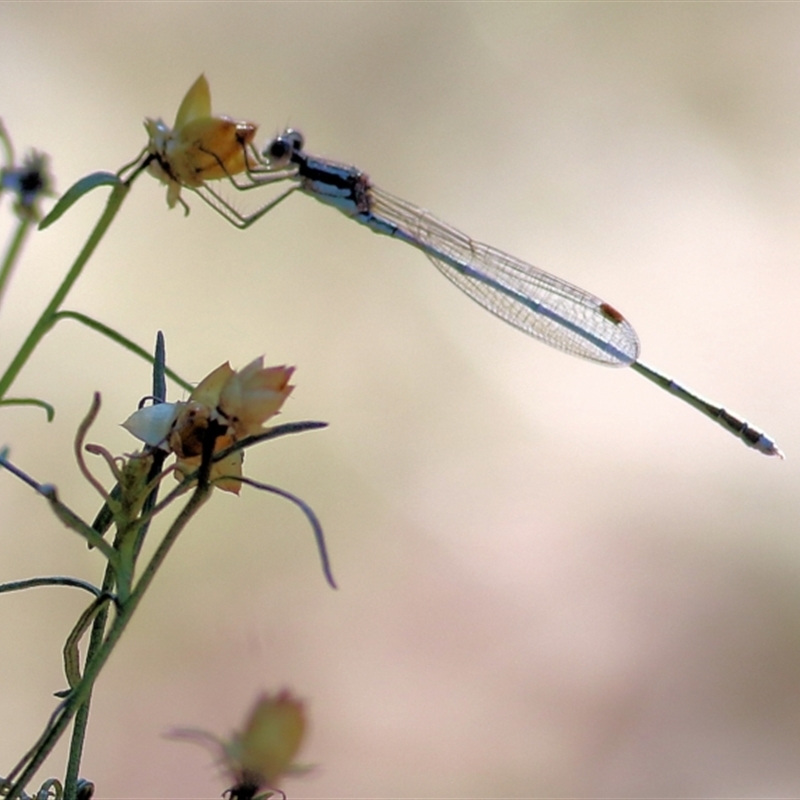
(543,306)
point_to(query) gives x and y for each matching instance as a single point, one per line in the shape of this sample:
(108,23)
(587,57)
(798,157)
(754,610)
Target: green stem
(13,251)
(46,320)
(82,715)
(98,654)
(79,697)
(98,628)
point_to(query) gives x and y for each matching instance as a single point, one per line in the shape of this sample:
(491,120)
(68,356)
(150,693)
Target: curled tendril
(80,437)
(113,462)
(52,789)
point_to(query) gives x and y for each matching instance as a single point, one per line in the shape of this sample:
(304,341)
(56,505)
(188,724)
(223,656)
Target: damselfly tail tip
(766,446)
(776,451)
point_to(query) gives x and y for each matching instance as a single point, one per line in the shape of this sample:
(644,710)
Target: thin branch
(63,512)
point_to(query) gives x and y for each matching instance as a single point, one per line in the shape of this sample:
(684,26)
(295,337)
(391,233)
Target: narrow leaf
(30,401)
(75,192)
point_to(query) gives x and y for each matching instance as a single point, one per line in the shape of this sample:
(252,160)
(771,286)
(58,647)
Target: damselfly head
(280,151)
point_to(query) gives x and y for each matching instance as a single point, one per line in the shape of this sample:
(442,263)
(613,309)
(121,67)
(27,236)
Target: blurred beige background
(555,579)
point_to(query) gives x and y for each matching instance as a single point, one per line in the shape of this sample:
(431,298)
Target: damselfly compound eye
(280,151)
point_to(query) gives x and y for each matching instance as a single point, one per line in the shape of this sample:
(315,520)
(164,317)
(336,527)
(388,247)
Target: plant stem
(100,650)
(47,318)
(99,626)
(13,251)
(82,715)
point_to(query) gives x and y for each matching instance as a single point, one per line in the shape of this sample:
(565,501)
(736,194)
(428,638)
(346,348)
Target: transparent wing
(539,304)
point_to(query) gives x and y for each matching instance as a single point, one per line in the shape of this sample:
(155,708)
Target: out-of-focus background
(554,579)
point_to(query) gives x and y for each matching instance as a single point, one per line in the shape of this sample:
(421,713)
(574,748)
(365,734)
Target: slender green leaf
(75,192)
(117,337)
(30,401)
(50,580)
(72,668)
